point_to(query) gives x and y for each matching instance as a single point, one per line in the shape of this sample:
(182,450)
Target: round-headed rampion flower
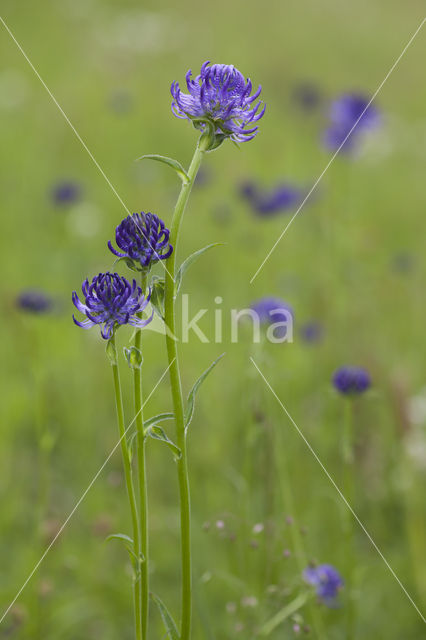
(221,95)
(143,239)
(283,197)
(110,300)
(351,380)
(34,301)
(326,580)
(65,193)
(274,311)
(349,110)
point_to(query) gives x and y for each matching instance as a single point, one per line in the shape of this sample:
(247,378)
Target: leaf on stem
(191,397)
(157,295)
(128,543)
(169,623)
(157,433)
(171,162)
(190,260)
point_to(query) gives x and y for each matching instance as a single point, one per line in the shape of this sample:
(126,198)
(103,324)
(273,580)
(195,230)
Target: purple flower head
(345,112)
(110,300)
(143,239)
(268,203)
(221,96)
(271,311)
(66,192)
(34,301)
(326,580)
(351,380)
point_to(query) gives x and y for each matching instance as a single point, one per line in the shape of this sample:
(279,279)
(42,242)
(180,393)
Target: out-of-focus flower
(66,193)
(326,580)
(311,332)
(143,239)
(306,96)
(349,110)
(274,311)
(351,380)
(111,301)
(268,203)
(34,301)
(221,95)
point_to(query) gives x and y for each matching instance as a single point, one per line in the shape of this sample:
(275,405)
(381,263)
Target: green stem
(176,387)
(348,459)
(143,498)
(130,491)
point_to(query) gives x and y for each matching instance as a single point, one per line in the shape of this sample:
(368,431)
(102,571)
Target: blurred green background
(353,261)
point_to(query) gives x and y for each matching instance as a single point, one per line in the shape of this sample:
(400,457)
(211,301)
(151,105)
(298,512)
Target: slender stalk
(143,498)
(130,493)
(176,387)
(348,459)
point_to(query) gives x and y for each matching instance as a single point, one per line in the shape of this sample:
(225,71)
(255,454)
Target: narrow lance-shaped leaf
(147,424)
(157,433)
(191,397)
(171,162)
(190,260)
(169,623)
(128,543)
(157,295)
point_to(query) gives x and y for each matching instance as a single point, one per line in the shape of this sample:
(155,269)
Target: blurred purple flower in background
(34,301)
(272,310)
(344,113)
(221,95)
(66,193)
(143,239)
(326,580)
(306,96)
(269,203)
(311,332)
(351,380)
(111,300)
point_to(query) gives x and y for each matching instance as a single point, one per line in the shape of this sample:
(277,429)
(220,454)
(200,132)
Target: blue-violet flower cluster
(269,203)
(271,311)
(111,301)
(326,580)
(34,301)
(221,95)
(143,239)
(345,112)
(351,380)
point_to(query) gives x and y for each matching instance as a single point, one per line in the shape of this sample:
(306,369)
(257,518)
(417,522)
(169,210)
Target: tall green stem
(176,386)
(130,490)
(348,460)
(143,498)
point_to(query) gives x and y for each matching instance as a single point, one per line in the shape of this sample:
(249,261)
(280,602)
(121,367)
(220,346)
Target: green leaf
(283,614)
(120,536)
(191,397)
(147,424)
(157,295)
(157,433)
(111,352)
(167,619)
(158,418)
(174,164)
(190,260)
(133,356)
